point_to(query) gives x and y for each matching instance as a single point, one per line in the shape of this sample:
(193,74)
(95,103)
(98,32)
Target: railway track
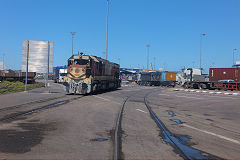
(185,151)
(15,112)
(117,134)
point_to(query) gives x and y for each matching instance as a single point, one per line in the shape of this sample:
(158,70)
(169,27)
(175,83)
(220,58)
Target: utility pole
(26,78)
(107,31)
(46,84)
(233,54)
(154,59)
(119,61)
(147,55)
(201,51)
(72,33)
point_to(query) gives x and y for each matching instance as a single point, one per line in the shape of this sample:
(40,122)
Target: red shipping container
(216,74)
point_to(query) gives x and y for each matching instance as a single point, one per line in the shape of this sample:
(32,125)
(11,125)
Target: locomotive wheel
(94,88)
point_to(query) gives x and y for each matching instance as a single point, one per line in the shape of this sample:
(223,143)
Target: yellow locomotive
(88,74)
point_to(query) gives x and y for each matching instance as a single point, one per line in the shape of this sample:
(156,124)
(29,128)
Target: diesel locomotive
(87,74)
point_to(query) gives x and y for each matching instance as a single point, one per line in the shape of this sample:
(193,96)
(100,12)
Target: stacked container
(216,74)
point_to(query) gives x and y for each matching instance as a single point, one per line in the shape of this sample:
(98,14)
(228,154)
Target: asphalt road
(83,127)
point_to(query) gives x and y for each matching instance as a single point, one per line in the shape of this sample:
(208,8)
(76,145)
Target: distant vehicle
(156,78)
(218,78)
(59,75)
(125,82)
(40,76)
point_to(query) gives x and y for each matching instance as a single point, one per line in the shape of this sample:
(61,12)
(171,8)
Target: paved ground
(83,128)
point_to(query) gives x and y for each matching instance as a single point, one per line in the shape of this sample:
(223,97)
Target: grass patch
(11,87)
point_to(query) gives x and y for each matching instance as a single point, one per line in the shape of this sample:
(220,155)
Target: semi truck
(59,75)
(218,78)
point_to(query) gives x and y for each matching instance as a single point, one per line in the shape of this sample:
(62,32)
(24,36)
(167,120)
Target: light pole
(72,33)
(154,59)
(233,54)
(147,55)
(119,61)
(107,31)
(201,51)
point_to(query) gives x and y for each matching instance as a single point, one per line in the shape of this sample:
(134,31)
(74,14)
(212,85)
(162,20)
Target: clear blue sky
(171,27)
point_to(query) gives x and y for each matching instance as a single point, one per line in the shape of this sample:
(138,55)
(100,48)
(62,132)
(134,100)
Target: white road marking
(209,96)
(46,93)
(101,98)
(213,134)
(189,97)
(107,99)
(141,110)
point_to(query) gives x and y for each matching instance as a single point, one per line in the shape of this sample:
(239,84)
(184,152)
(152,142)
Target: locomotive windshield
(80,61)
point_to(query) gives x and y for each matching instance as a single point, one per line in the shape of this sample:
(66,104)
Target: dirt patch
(27,135)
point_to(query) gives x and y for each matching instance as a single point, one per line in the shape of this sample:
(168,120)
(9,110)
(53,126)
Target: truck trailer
(218,78)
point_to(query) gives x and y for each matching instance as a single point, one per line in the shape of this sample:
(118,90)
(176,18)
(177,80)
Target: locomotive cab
(79,67)
(79,74)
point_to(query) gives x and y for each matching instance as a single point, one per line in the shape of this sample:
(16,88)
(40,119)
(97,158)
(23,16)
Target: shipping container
(149,78)
(169,76)
(164,76)
(224,74)
(155,76)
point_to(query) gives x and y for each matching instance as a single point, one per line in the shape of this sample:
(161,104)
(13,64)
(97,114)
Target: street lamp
(107,32)
(201,51)
(119,61)
(154,65)
(233,54)
(147,55)
(72,33)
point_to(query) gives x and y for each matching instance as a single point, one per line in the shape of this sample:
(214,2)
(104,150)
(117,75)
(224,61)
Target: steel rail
(185,151)
(117,138)
(162,126)
(32,111)
(29,103)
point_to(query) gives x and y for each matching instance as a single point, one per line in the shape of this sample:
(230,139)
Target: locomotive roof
(95,58)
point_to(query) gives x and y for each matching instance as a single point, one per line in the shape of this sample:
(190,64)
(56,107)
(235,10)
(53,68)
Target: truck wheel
(196,86)
(185,86)
(203,86)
